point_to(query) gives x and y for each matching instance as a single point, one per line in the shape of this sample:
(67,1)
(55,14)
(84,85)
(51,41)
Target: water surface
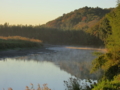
(51,68)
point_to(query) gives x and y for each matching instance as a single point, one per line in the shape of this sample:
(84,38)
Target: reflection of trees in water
(79,69)
(75,62)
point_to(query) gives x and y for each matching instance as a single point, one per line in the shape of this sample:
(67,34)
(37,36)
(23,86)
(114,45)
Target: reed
(18,42)
(44,87)
(20,38)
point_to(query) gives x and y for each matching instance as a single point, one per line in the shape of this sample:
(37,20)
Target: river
(47,67)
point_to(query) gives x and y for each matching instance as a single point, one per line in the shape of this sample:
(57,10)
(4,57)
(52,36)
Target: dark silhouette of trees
(51,35)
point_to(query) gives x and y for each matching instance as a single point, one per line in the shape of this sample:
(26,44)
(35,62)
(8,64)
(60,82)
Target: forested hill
(68,29)
(80,19)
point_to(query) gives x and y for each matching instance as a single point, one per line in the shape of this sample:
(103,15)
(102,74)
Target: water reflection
(52,68)
(75,61)
(18,74)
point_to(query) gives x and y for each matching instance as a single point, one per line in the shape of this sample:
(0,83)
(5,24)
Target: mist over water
(51,68)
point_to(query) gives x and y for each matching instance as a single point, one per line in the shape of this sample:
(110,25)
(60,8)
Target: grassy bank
(13,42)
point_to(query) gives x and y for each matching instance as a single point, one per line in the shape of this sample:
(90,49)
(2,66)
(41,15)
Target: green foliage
(105,85)
(110,61)
(98,63)
(112,71)
(101,29)
(108,85)
(113,42)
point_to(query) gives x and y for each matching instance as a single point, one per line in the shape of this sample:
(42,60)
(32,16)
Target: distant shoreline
(27,51)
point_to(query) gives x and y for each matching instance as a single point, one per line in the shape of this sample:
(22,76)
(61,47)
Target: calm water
(51,68)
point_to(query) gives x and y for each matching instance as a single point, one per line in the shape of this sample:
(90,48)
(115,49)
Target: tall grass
(20,38)
(18,42)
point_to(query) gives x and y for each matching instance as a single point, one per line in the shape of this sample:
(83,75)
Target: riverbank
(43,49)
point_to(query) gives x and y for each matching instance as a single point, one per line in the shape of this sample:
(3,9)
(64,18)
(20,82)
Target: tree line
(51,35)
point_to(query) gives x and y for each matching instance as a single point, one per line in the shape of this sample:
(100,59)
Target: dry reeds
(20,38)
(45,87)
(18,42)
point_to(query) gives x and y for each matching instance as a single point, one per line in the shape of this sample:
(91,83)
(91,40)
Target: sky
(38,12)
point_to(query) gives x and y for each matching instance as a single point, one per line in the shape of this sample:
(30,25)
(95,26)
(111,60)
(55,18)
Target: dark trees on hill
(51,35)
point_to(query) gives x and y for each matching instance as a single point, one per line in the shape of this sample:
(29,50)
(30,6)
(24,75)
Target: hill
(69,29)
(80,19)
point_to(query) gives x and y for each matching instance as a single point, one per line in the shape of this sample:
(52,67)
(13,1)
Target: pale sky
(37,12)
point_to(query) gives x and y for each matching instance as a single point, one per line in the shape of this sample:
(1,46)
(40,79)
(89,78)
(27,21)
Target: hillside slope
(80,19)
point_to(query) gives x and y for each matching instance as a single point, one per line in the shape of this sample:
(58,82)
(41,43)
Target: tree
(6,24)
(110,61)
